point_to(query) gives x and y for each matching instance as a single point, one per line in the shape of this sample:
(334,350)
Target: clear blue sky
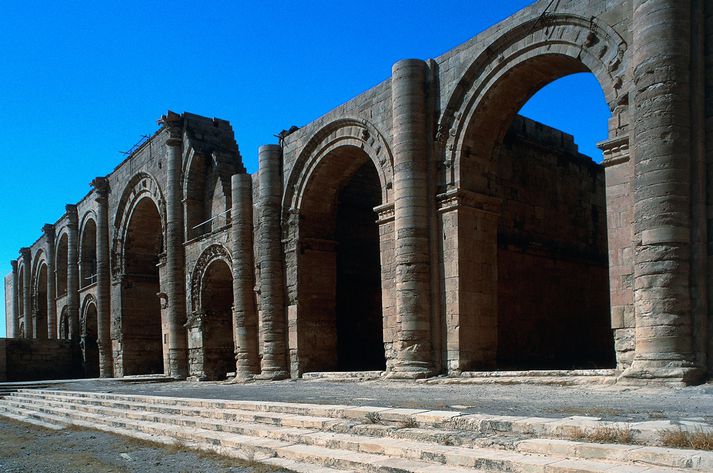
(81,81)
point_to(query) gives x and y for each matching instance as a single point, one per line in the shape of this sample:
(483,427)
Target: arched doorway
(536,229)
(64,324)
(88,340)
(61,266)
(217,304)
(40,322)
(341,321)
(88,254)
(142,343)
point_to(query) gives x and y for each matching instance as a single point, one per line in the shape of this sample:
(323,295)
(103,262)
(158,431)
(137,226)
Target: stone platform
(328,426)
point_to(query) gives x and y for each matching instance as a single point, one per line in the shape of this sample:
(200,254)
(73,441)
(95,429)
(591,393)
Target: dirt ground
(26,448)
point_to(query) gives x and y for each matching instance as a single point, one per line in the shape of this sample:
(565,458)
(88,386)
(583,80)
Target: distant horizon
(83,82)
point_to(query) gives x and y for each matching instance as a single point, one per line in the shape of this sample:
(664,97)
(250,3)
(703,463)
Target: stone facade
(421,228)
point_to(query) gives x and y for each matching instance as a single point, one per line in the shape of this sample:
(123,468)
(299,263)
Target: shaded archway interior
(553,309)
(40,322)
(217,300)
(141,309)
(339,265)
(88,254)
(61,265)
(88,342)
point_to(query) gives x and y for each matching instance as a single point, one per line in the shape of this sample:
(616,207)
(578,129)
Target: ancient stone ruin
(422,228)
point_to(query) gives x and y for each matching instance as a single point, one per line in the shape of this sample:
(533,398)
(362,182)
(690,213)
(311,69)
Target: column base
(177,364)
(411,370)
(648,372)
(272,375)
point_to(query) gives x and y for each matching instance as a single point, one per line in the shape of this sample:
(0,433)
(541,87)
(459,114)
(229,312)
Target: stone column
(73,271)
(15,323)
(175,256)
(272,277)
(49,232)
(101,190)
(244,309)
(662,192)
(411,210)
(26,300)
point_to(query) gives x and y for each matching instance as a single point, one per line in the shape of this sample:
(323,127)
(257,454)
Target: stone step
(24,415)
(446,456)
(645,433)
(667,457)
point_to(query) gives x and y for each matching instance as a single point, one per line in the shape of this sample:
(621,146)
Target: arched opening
(217,301)
(21,302)
(140,305)
(61,266)
(207,201)
(40,322)
(339,279)
(550,291)
(88,254)
(88,341)
(64,324)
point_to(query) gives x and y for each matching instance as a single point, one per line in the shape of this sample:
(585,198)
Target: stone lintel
(385,213)
(616,150)
(456,198)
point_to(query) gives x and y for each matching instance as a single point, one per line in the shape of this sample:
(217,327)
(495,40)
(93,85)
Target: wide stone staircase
(318,438)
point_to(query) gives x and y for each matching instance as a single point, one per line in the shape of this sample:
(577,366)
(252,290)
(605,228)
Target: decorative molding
(616,151)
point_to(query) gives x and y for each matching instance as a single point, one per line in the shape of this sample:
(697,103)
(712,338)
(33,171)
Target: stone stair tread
(299,467)
(284,417)
(662,456)
(24,416)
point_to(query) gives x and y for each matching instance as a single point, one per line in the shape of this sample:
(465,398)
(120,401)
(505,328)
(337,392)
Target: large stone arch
(39,285)
(141,186)
(548,48)
(345,163)
(471,133)
(343,132)
(138,276)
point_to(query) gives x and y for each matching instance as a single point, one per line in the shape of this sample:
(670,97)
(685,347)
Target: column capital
(13,263)
(101,187)
(48,229)
(173,124)
(26,252)
(71,212)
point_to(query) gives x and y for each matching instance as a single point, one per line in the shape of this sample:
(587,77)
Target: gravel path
(28,449)
(609,402)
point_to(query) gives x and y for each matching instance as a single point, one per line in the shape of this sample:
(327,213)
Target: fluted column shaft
(26,299)
(244,309)
(101,186)
(272,277)
(662,191)
(411,211)
(15,323)
(175,258)
(73,271)
(49,232)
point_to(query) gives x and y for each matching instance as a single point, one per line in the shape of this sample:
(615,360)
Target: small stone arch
(577,44)
(64,323)
(209,255)
(141,186)
(88,300)
(343,132)
(87,261)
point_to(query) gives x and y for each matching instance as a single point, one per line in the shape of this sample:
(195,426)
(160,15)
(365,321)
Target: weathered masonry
(421,228)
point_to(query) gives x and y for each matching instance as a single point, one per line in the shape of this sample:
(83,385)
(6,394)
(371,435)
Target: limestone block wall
(28,360)
(9,305)
(553,288)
